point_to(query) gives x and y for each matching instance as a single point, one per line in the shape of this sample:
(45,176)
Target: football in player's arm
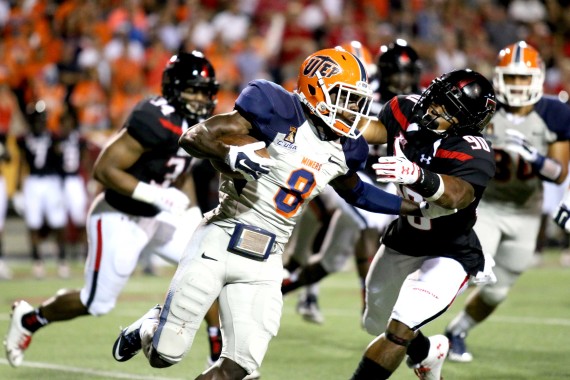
(313,139)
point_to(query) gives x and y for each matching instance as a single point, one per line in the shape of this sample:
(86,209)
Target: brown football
(237,140)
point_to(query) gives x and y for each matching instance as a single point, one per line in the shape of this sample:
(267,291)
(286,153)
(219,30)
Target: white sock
(313,289)
(461,324)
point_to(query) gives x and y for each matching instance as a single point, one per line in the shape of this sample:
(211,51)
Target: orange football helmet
(519,59)
(333,84)
(361,52)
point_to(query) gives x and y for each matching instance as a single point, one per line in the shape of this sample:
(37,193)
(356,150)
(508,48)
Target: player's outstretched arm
(369,197)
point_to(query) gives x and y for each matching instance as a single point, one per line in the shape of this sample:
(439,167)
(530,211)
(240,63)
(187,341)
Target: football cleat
(308,308)
(255,375)
(430,367)
(458,348)
(128,344)
(18,338)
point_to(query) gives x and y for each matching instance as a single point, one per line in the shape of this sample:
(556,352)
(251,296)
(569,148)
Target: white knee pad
(374,323)
(493,295)
(496,293)
(186,305)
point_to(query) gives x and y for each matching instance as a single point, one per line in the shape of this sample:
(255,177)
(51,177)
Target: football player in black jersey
(144,206)
(437,153)
(42,189)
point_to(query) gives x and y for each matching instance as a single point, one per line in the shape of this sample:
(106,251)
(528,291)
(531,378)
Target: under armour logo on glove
(244,160)
(397,169)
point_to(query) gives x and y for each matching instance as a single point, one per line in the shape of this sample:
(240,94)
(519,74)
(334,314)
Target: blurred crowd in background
(96,59)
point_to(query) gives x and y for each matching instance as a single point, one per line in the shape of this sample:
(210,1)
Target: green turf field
(527,338)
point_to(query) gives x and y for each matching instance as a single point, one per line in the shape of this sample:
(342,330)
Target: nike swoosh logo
(242,163)
(118,355)
(207,257)
(333,161)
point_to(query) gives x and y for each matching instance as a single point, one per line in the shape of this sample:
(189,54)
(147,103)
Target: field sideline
(527,338)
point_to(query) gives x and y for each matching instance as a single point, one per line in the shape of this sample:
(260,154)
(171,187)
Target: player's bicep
(120,154)
(202,140)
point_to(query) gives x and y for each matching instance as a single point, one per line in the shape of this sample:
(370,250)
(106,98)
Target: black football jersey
(155,125)
(40,153)
(70,148)
(468,157)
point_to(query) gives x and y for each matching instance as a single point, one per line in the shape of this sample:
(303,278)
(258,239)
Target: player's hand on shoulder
(517,143)
(431,210)
(245,160)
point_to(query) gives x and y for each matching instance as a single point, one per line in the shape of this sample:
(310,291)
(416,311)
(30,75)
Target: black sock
(215,339)
(35,254)
(368,369)
(61,254)
(34,320)
(419,348)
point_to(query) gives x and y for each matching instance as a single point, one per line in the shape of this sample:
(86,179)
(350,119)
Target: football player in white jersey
(145,204)
(349,231)
(530,135)
(313,139)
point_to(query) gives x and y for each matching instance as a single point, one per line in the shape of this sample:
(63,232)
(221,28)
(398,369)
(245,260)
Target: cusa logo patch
(323,65)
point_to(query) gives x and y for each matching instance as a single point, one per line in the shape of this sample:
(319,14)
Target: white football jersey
(304,165)
(515,185)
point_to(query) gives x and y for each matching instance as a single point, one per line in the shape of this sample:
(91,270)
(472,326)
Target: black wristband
(429,186)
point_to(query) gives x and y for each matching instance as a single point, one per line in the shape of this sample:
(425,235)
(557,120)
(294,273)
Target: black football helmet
(190,72)
(464,94)
(399,69)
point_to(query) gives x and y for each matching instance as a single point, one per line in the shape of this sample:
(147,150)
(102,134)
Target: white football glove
(396,169)
(562,214)
(166,199)
(486,276)
(244,160)
(517,143)
(431,210)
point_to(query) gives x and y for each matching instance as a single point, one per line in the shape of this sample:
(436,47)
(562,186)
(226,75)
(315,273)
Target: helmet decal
(324,65)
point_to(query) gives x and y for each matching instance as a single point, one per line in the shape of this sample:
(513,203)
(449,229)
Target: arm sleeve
(373,199)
